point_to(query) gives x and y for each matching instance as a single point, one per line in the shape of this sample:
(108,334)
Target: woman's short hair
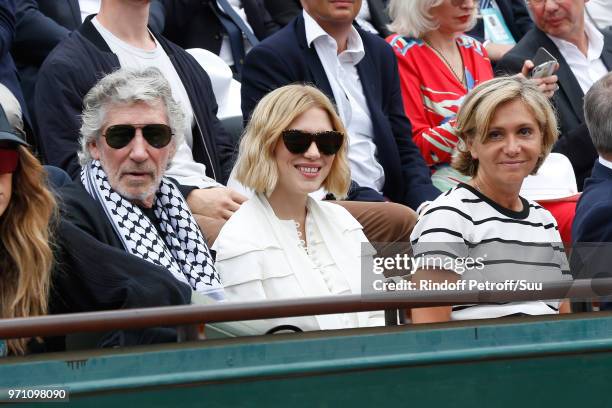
(127,86)
(479,106)
(256,165)
(412,18)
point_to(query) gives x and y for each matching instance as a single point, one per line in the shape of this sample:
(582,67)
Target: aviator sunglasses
(9,159)
(299,141)
(157,135)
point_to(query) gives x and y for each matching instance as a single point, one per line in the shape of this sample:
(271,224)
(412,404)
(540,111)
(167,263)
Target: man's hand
(217,203)
(547,85)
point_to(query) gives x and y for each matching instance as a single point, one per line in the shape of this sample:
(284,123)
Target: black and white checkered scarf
(181,249)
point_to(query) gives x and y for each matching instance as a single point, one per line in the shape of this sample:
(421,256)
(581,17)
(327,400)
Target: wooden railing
(223,312)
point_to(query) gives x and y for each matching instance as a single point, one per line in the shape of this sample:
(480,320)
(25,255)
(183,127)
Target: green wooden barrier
(536,361)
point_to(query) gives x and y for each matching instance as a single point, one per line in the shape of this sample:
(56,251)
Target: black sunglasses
(299,141)
(157,135)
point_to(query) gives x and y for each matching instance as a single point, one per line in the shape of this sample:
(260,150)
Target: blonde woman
(506,128)
(282,244)
(26,257)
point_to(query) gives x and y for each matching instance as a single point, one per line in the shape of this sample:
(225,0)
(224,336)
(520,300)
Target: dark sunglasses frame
(298,141)
(157,135)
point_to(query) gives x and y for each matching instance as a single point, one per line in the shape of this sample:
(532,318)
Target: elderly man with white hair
(129,134)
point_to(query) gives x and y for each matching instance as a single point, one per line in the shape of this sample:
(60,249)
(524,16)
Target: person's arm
(36,34)
(259,18)
(415,172)
(283,11)
(58,108)
(7,26)
(432,314)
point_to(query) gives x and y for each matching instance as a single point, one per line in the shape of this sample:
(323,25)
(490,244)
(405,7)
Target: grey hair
(412,18)
(598,113)
(126,86)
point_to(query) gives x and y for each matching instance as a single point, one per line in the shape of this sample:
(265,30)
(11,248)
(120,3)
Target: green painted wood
(531,361)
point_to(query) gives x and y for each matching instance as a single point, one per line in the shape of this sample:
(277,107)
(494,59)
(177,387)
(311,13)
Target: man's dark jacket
(285,58)
(193,24)
(284,11)
(41,25)
(79,61)
(95,273)
(516,17)
(574,142)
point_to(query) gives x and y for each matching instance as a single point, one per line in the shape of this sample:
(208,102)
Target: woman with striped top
(483,230)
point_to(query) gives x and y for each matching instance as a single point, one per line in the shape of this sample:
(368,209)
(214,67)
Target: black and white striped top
(463,224)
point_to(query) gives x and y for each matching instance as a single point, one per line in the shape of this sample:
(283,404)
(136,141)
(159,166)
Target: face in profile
(302,173)
(134,170)
(511,148)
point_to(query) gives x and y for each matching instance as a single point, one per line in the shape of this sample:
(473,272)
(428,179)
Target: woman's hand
(547,85)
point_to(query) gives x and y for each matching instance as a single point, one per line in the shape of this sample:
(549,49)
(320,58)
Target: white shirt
(600,11)
(587,69)
(183,167)
(352,106)
(89,7)
(226,49)
(605,162)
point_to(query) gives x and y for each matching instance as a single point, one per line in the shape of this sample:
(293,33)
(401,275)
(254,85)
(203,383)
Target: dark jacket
(515,15)
(193,24)
(285,58)
(95,272)
(8,72)
(79,62)
(41,25)
(574,142)
(284,11)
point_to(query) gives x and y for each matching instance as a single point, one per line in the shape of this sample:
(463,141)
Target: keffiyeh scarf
(181,248)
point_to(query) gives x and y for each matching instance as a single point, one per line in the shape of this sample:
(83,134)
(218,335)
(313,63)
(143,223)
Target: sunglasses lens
(9,158)
(157,136)
(296,141)
(329,142)
(119,136)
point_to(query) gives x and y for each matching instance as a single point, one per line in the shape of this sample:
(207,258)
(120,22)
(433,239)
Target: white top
(605,162)
(587,69)
(463,225)
(259,257)
(600,11)
(352,106)
(89,7)
(364,17)
(183,167)
(226,49)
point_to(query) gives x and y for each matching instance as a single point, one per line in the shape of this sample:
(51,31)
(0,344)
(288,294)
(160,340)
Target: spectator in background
(593,223)
(501,24)
(8,72)
(358,71)
(432,31)
(600,12)
(372,15)
(584,55)
(42,24)
(283,244)
(507,128)
(228,28)
(118,37)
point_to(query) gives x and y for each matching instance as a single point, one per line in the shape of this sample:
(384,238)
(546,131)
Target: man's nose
(139,147)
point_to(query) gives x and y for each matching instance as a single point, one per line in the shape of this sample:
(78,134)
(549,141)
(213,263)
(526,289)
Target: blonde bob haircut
(256,166)
(479,106)
(413,18)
